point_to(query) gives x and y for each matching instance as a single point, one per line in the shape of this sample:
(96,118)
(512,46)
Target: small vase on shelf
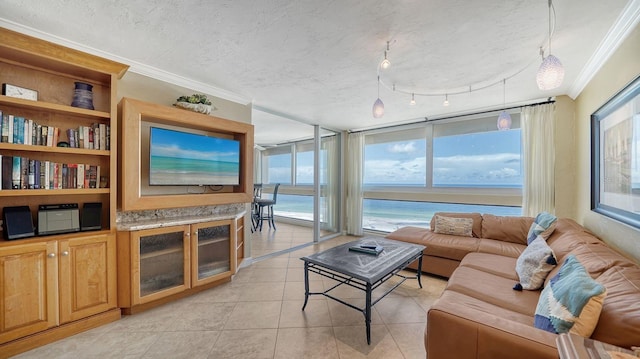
(82,96)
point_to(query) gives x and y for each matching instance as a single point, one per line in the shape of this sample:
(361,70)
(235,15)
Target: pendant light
(385,63)
(378,106)
(504,120)
(413,100)
(551,72)
(446,100)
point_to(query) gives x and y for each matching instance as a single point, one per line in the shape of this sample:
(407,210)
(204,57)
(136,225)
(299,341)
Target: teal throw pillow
(572,301)
(534,264)
(543,225)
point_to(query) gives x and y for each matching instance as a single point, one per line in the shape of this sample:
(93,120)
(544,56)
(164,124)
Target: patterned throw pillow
(543,225)
(572,301)
(455,226)
(534,264)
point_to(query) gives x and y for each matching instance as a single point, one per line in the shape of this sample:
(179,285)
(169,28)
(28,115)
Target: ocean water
(172,170)
(387,215)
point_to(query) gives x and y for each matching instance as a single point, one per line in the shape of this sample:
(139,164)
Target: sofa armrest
(467,333)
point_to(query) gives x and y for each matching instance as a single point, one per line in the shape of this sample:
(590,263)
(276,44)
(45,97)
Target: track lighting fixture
(385,63)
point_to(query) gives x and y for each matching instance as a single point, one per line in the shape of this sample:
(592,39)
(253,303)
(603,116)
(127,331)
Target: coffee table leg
(420,270)
(306,284)
(367,314)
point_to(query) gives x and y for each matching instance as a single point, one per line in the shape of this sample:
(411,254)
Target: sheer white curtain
(355,164)
(539,159)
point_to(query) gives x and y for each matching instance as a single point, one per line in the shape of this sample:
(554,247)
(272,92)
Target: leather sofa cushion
(596,259)
(454,300)
(448,246)
(493,289)
(500,247)
(566,238)
(619,322)
(491,263)
(505,228)
(409,234)
(477,221)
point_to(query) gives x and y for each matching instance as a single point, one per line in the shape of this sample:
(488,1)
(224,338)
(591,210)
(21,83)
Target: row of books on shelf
(20,130)
(25,173)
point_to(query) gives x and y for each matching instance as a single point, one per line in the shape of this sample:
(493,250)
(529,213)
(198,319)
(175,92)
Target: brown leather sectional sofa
(479,315)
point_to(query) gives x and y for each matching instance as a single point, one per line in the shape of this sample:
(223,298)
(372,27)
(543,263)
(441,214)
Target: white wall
(619,70)
(147,89)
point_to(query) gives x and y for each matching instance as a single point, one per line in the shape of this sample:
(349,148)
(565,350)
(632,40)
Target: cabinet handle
(51,255)
(65,253)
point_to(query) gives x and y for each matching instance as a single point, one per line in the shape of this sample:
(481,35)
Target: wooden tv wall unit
(135,194)
(58,285)
(163,259)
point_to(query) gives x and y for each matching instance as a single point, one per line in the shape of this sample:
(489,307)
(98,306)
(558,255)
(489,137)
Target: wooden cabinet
(161,264)
(87,276)
(58,285)
(54,282)
(212,251)
(29,290)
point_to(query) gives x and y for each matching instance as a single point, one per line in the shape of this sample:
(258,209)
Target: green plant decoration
(195,98)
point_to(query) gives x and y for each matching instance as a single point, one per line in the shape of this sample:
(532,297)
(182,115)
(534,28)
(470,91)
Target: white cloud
(487,169)
(395,171)
(408,147)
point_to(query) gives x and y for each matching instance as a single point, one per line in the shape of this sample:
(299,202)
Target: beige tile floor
(286,236)
(258,315)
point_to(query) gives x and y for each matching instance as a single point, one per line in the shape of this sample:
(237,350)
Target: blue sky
(168,143)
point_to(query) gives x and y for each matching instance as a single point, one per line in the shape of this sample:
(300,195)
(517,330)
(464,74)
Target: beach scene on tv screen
(181,158)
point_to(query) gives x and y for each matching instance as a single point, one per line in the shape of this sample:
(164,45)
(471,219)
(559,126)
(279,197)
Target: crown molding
(134,66)
(624,25)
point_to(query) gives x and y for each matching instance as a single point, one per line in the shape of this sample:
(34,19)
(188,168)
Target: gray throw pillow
(534,264)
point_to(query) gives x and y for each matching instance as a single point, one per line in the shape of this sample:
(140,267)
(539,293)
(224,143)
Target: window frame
(495,196)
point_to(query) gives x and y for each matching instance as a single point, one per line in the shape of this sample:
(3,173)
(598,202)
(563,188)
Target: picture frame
(615,156)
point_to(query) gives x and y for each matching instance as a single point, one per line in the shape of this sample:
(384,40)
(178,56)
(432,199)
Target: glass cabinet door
(163,262)
(211,248)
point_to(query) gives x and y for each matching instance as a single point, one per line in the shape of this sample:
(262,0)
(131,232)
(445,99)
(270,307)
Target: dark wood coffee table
(362,271)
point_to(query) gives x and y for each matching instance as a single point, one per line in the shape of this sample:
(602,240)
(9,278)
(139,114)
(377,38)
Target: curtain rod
(427,120)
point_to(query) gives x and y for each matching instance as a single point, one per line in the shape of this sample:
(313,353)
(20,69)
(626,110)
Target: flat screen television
(179,158)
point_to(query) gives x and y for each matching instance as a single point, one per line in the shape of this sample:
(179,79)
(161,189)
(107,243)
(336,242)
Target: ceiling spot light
(504,120)
(385,63)
(378,106)
(446,101)
(413,100)
(551,72)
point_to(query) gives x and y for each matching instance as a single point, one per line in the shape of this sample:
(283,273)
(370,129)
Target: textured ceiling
(316,61)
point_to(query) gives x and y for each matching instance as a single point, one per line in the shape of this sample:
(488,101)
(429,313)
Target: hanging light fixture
(378,106)
(413,100)
(385,63)
(551,72)
(446,100)
(504,120)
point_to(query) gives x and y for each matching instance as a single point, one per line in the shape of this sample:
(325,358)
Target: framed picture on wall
(615,156)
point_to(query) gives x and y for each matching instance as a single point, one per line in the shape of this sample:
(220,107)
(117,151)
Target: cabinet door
(212,251)
(28,291)
(160,262)
(87,276)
